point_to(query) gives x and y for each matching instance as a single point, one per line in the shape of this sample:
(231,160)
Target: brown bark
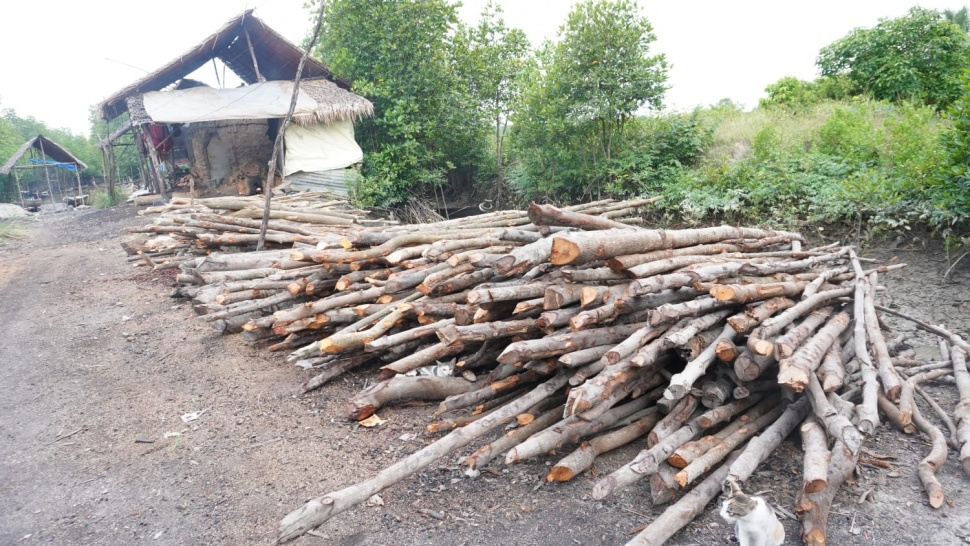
(523,351)
(687,453)
(907,406)
(672,421)
(583,458)
(685,510)
(548,215)
(577,248)
(926,471)
(506,293)
(488,392)
(405,388)
(473,333)
(813,508)
(795,372)
(558,296)
(672,312)
(424,357)
(831,373)
(747,293)
(333,369)
(890,380)
(510,439)
(571,429)
(706,462)
(682,382)
(962,412)
(582,357)
(758,338)
(787,343)
(836,424)
(817,456)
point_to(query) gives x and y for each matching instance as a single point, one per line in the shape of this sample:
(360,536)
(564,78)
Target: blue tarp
(66,166)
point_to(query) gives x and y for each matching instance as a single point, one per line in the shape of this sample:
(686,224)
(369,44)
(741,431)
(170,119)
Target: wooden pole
(252,54)
(153,155)
(268,187)
(47,174)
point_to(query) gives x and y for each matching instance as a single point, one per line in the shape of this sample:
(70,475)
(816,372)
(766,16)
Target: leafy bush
(103,199)
(858,160)
(12,229)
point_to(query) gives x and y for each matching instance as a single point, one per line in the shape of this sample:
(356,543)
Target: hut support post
(47,174)
(153,155)
(278,145)
(252,54)
(20,191)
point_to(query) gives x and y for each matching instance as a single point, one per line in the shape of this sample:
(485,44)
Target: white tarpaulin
(320,147)
(256,101)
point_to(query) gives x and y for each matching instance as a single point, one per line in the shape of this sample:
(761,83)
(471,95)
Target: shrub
(104,199)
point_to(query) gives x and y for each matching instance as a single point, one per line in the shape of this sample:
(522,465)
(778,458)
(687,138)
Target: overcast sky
(58,57)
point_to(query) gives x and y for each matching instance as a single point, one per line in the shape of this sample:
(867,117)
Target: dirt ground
(98,364)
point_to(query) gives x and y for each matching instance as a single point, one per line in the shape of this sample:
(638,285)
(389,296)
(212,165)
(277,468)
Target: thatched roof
(51,149)
(276,57)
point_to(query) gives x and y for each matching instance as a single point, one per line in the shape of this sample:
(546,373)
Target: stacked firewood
(574,327)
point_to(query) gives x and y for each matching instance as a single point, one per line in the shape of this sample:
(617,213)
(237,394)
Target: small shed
(37,153)
(220,140)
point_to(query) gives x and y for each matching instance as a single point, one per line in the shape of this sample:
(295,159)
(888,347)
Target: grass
(102,199)
(12,229)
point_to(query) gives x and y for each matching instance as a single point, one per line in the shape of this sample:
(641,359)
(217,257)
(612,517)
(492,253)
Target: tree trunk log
(318,510)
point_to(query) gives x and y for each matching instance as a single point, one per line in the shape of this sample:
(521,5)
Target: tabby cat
(754,521)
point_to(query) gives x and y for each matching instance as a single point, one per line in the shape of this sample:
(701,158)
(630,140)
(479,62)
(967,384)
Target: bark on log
(933,461)
(757,340)
(402,387)
(890,380)
(831,373)
(817,456)
(572,429)
(787,343)
(962,412)
(706,462)
(837,425)
(420,358)
(548,215)
(686,509)
(682,382)
(813,508)
(690,451)
(583,458)
(795,372)
(318,510)
(523,351)
(907,405)
(510,439)
(587,246)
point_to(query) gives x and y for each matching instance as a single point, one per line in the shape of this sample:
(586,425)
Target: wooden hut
(220,140)
(38,153)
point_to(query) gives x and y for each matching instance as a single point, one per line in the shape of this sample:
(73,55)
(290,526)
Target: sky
(59,57)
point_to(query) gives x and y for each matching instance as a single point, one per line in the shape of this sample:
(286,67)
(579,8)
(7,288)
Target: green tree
(426,130)
(960,18)
(604,70)
(917,57)
(490,57)
(790,92)
(580,94)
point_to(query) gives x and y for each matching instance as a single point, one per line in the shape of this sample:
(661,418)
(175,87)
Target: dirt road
(98,365)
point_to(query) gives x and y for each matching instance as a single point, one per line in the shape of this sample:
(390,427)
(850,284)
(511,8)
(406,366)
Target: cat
(754,521)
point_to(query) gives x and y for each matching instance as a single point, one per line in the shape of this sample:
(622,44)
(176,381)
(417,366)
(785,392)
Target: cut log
(583,458)
(962,412)
(406,388)
(318,510)
(928,467)
(583,247)
(794,372)
(817,456)
(706,462)
(813,508)
(686,509)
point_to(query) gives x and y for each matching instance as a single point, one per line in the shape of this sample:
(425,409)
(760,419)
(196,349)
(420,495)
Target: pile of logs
(575,327)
